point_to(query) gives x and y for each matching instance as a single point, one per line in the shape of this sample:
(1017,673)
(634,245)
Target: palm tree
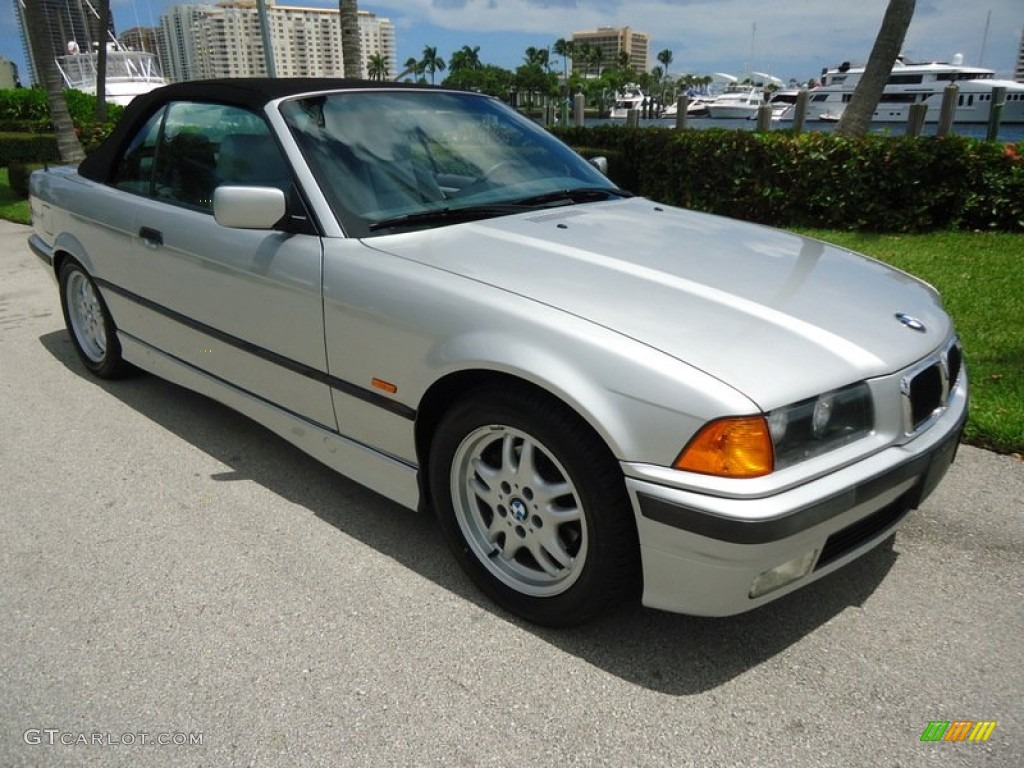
(596,57)
(857,115)
(68,145)
(101,62)
(581,53)
(665,57)
(538,56)
(464,59)
(413,66)
(351,57)
(565,49)
(472,56)
(377,67)
(431,62)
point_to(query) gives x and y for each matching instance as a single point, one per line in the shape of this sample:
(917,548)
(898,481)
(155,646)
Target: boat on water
(736,102)
(630,97)
(129,73)
(918,83)
(783,103)
(697,107)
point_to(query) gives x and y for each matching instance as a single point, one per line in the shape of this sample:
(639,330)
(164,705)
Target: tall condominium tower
(224,40)
(612,42)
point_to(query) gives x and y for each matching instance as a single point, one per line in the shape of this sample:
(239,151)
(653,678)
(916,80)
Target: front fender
(644,404)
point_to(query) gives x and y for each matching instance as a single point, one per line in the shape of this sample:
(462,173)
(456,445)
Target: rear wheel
(534,507)
(89,323)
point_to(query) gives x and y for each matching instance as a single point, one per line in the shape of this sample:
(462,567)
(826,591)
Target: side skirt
(383,474)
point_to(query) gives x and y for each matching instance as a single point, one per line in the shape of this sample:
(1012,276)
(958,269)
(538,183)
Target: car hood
(775,315)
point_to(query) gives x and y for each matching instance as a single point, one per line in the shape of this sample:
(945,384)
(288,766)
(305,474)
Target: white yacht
(919,83)
(630,97)
(129,73)
(737,102)
(698,107)
(783,103)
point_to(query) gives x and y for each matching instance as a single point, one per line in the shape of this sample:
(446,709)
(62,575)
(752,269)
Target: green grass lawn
(981,278)
(11,208)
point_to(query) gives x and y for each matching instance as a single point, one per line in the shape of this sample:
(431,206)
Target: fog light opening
(784,574)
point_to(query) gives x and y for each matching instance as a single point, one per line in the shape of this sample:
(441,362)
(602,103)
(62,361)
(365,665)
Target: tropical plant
(414,67)
(431,62)
(350,48)
(665,58)
(377,67)
(70,148)
(464,58)
(101,62)
(565,49)
(486,78)
(537,56)
(857,115)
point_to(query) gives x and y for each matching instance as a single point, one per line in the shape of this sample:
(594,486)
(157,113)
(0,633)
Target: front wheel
(534,507)
(89,323)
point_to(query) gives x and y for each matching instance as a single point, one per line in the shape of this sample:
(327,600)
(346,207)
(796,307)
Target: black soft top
(248,92)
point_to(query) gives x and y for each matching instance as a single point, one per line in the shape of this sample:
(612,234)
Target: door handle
(152,236)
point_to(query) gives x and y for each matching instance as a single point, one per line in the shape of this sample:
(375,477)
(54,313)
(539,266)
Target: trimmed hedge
(28,148)
(878,183)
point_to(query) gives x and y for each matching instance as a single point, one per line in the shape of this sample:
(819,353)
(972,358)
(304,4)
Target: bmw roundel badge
(911,322)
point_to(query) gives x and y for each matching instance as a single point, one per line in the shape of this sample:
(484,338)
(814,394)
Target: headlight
(753,446)
(819,424)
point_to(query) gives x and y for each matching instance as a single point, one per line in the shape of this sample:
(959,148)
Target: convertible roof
(249,92)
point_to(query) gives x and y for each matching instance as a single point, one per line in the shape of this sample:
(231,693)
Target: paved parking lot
(174,573)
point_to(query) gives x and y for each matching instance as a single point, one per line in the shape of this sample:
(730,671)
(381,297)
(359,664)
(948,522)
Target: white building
(224,40)
(1019,75)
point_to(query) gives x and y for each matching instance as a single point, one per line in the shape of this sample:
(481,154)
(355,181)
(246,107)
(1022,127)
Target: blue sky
(787,38)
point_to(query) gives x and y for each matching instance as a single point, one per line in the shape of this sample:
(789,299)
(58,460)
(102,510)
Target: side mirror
(248,207)
(601,163)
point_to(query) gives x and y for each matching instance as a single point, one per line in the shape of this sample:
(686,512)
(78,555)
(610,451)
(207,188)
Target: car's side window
(134,171)
(205,145)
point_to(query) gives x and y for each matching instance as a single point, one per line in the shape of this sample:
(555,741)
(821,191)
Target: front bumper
(702,554)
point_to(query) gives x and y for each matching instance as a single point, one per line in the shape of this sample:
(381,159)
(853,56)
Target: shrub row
(28,148)
(25,111)
(28,107)
(878,183)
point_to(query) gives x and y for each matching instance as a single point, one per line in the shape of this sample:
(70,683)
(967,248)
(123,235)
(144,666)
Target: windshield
(390,160)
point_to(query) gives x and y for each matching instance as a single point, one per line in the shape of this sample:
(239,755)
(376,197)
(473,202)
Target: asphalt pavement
(179,587)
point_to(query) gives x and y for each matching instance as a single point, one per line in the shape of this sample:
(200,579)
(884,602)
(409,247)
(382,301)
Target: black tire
(550,538)
(89,323)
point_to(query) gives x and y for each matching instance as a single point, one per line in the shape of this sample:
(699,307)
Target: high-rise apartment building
(8,73)
(66,22)
(612,42)
(1019,75)
(224,40)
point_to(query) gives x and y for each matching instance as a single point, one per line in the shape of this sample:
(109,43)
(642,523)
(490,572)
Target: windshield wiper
(491,210)
(573,196)
(449,215)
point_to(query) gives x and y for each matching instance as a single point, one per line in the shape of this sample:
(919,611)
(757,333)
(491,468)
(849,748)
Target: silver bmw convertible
(602,399)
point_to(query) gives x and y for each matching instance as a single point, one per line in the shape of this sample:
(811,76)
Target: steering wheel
(485,179)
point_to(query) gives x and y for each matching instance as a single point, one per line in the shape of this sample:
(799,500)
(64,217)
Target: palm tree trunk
(350,49)
(68,145)
(101,63)
(857,115)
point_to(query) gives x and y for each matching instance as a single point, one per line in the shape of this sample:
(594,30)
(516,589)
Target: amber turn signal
(733,447)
